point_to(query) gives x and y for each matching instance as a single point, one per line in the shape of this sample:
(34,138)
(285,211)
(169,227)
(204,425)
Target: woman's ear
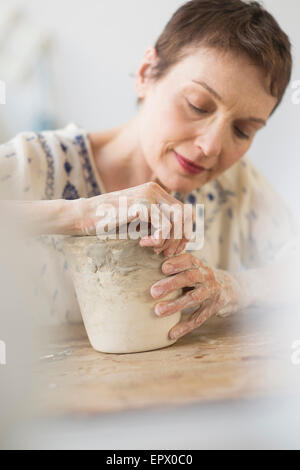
(144,73)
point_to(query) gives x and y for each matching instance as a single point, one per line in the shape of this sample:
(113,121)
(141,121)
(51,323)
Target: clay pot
(112,279)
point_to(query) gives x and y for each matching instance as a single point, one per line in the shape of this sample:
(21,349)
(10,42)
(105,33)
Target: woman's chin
(180,184)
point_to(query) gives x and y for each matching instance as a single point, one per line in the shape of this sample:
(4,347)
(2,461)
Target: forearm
(44,217)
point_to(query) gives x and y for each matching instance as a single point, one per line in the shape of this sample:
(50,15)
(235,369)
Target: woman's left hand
(215,291)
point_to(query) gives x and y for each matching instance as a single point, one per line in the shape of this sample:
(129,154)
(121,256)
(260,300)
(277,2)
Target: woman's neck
(119,159)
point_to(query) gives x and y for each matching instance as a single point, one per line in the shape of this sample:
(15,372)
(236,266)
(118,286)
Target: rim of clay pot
(70,238)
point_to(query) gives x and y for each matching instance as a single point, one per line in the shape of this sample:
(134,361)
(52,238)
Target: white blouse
(247,224)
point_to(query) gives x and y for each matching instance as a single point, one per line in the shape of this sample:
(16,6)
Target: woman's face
(207,110)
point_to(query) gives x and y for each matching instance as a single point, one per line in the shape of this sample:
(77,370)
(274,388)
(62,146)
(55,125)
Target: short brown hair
(227,25)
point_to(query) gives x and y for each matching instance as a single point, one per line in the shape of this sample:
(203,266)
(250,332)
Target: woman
(215,76)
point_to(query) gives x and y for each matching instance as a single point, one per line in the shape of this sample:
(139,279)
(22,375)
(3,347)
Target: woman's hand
(148,204)
(93,211)
(214,291)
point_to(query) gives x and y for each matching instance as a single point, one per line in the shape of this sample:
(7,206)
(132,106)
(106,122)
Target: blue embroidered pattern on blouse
(70,192)
(64,147)
(179,197)
(68,168)
(192,199)
(49,190)
(88,174)
(221,197)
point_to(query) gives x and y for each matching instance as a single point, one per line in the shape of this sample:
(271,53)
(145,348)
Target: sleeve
(268,229)
(30,168)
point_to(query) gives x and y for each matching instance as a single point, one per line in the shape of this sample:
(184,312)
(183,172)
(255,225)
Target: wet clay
(112,279)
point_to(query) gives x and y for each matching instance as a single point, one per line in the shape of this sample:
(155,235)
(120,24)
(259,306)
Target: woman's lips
(189,166)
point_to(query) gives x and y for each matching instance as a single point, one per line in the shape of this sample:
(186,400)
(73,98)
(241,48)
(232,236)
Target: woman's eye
(198,110)
(241,134)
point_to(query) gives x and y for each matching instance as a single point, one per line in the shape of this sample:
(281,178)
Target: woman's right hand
(94,211)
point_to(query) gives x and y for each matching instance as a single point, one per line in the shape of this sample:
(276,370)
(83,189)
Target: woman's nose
(211,140)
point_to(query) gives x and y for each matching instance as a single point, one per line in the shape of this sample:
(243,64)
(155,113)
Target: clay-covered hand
(213,291)
(92,212)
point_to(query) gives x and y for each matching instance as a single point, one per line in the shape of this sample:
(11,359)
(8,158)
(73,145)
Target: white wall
(276,150)
(98,43)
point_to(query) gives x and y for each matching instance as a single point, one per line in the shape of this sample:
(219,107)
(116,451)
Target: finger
(171,245)
(168,247)
(191,299)
(152,242)
(163,246)
(181,247)
(186,262)
(161,222)
(163,243)
(174,214)
(171,249)
(195,321)
(155,240)
(172,283)
(188,222)
(185,279)
(165,232)
(163,228)
(181,263)
(168,242)
(182,218)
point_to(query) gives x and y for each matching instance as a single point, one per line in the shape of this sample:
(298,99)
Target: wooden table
(242,356)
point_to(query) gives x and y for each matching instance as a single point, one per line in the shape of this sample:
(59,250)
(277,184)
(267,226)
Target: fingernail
(173,336)
(168,268)
(161,309)
(156,310)
(179,333)
(176,335)
(157,291)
